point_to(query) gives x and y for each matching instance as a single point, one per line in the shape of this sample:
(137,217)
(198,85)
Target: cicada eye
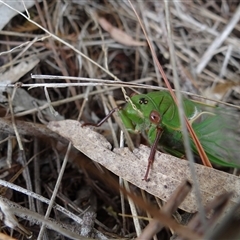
(155,117)
(143,101)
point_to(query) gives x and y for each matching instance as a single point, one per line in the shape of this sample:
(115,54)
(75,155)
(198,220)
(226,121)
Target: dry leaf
(167,172)
(7,14)
(118,34)
(219,91)
(6,237)
(23,101)
(19,70)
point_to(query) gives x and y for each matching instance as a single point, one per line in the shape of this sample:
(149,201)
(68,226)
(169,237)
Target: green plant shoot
(156,116)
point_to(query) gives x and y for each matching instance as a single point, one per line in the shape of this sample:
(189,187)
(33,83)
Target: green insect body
(213,128)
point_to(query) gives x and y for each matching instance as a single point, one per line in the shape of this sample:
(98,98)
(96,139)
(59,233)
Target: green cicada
(156,116)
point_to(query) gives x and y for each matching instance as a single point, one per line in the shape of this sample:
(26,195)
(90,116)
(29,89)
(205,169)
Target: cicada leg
(152,152)
(102,121)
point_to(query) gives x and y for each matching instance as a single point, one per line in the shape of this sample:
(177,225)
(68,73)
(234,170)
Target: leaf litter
(108,43)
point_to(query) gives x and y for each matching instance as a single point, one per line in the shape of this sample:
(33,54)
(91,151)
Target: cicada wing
(219,136)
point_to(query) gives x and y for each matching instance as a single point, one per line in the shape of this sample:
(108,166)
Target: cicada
(156,116)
